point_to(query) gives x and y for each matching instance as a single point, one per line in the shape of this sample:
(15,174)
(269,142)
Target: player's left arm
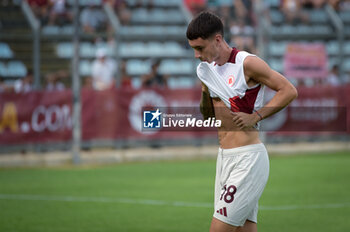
(257,70)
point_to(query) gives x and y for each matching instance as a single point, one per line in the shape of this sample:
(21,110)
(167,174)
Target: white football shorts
(241,176)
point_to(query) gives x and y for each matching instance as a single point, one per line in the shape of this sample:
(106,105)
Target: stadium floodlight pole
(339,26)
(76,131)
(188,17)
(35,26)
(263,38)
(113,19)
(262,29)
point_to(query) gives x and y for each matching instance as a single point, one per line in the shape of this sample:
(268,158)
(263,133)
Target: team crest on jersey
(230,80)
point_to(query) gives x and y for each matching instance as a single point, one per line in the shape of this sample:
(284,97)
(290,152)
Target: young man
(232,90)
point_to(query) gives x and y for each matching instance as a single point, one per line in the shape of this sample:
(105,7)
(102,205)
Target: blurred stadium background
(41,54)
(52,103)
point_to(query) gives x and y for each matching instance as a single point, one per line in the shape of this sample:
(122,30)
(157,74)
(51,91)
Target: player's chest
(231,75)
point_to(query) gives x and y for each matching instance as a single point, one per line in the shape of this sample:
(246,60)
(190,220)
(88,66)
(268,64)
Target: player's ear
(218,38)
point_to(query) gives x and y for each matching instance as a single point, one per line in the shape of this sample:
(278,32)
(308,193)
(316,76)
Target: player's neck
(224,55)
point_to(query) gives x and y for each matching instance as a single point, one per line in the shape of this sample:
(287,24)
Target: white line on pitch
(159,202)
(101,200)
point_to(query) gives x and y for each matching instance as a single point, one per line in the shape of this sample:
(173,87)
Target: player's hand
(244,121)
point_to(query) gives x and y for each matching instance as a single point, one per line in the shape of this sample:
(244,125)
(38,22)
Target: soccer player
(232,90)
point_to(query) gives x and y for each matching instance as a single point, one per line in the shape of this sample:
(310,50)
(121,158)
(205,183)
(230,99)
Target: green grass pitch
(304,193)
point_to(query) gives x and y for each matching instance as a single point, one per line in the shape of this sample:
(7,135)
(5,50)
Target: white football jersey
(228,83)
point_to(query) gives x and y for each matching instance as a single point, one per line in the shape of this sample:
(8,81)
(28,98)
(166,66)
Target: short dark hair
(204,26)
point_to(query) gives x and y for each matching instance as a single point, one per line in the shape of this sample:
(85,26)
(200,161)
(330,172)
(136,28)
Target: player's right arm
(206,104)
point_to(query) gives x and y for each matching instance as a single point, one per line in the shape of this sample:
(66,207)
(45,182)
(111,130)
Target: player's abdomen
(229,135)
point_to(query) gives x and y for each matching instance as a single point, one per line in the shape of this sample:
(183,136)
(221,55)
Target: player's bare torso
(229,135)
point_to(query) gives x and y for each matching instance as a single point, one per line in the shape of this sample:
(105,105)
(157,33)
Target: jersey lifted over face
(228,83)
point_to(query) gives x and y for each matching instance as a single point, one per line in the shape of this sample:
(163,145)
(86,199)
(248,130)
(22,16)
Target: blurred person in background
(124,13)
(334,78)
(93,19)
(244,42)
(293,12)
(103,71)
(154,78)
(41,9)
(53,81)
(241,26)
(122,10)
(232,91)
(195,6)
(25,84)
(87,82)
(244,11)
(226,13)
(3,86)
(335,4)
(313,4)
(59,13)
(340,5)
(345,5)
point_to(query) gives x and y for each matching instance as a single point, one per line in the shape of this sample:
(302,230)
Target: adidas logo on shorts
(222,211)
